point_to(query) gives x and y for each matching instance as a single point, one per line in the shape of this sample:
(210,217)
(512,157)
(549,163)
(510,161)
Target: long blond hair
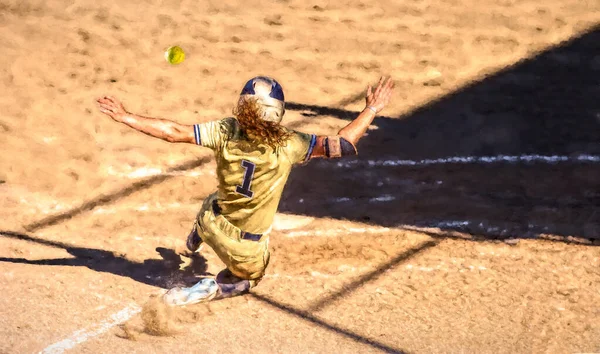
(249,114)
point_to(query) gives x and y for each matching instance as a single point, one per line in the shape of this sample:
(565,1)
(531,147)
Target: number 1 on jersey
(244,189)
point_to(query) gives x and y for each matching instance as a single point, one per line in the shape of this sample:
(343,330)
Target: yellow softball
(175,55)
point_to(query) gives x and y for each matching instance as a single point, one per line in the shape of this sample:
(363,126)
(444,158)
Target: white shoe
(203,291)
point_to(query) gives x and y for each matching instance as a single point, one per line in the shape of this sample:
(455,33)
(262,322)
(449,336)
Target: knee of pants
(253,271)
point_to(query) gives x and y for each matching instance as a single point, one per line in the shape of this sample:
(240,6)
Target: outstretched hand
(379,98)
(112,107)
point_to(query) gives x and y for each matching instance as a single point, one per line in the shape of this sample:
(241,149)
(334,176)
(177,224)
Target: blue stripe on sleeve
(197,134)
(313,142)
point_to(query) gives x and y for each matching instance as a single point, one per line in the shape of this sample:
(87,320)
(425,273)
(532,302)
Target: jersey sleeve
(213,134)
(299,146)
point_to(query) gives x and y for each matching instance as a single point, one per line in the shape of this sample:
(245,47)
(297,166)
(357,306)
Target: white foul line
(142,172)
(83,335)
(473,160)
(458,225)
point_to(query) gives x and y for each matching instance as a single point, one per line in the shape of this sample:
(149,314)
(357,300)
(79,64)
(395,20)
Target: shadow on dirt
(163,273)
(325,325)
(113,197)
(166,274)
(547,105)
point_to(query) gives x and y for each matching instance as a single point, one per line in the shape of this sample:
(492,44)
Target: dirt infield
(470,221)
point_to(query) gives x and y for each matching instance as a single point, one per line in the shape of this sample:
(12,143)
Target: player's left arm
(344,143)
(164,129)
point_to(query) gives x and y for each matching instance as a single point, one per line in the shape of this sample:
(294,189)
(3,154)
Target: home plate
(290,221)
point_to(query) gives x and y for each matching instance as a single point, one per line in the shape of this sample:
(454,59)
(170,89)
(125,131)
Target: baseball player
(255,155)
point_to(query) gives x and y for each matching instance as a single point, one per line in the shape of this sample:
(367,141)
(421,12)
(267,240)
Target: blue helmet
(268,93)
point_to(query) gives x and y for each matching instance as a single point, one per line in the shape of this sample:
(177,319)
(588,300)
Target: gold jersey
(251,175)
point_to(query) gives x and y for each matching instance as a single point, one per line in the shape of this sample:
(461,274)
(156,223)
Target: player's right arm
(344,143)
(208,134)
(164,129)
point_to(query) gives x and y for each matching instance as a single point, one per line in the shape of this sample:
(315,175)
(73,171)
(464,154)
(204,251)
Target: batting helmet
(268,93)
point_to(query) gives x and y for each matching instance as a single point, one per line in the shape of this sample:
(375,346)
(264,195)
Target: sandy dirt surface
(397,250)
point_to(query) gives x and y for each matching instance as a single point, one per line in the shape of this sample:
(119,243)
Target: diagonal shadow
(323,302)
(310,318)
(371,276)
(112,197)
(545,105)
(163,273)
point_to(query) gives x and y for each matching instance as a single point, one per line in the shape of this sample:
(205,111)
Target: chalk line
(83,335)
(417,226)
(506,230)
(378,199)
(465,225)
(129,172)
(473,160)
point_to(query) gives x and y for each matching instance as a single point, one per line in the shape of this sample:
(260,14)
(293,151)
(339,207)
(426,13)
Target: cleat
(194,242)
(203,291)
